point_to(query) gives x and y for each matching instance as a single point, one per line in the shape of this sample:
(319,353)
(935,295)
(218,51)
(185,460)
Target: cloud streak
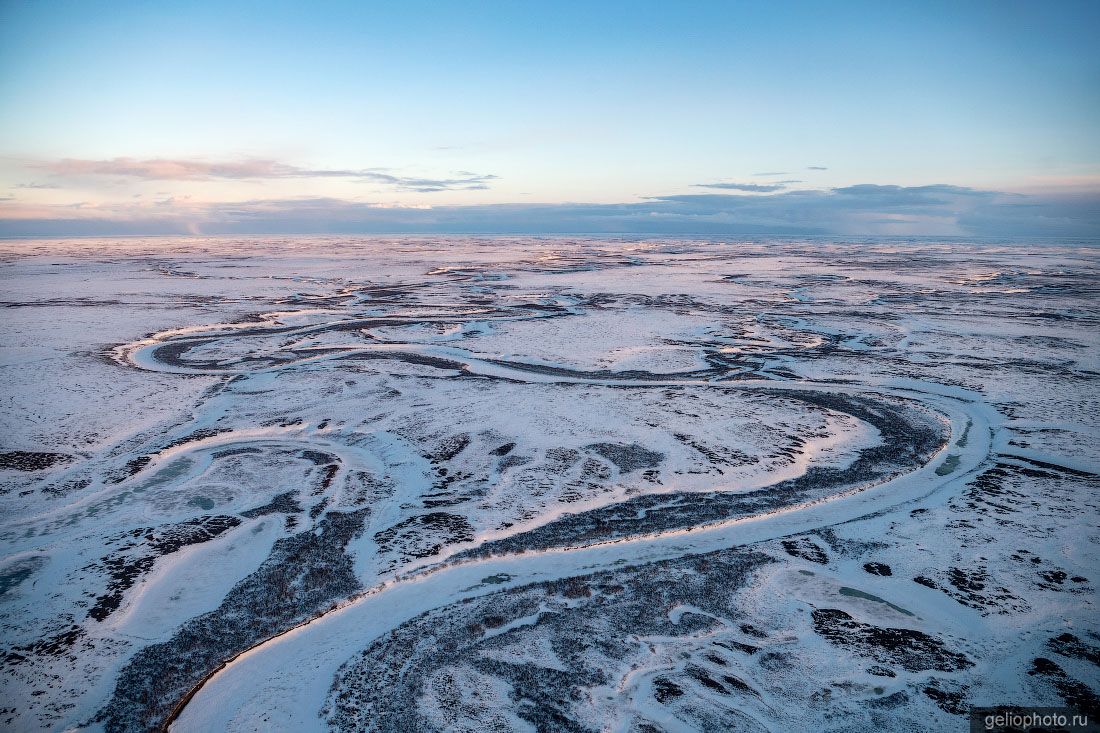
(750,187)
(182,169)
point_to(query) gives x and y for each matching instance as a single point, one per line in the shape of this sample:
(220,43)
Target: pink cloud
(181,169)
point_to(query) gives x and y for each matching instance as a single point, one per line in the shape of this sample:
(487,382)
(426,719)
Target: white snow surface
(178,410)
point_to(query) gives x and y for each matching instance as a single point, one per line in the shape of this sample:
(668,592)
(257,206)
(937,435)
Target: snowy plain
(546,484)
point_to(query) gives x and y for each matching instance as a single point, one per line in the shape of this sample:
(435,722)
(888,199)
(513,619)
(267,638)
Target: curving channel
(922,450)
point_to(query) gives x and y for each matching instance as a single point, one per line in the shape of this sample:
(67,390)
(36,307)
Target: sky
(845,118)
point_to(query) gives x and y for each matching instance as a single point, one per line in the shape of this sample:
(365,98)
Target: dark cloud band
(853,210)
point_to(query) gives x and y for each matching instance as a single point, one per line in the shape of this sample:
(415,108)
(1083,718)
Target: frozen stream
(282,683)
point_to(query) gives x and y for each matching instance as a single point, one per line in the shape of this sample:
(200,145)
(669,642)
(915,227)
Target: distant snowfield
(545,484)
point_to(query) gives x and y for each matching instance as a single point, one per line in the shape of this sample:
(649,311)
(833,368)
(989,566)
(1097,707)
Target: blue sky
(851,118)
